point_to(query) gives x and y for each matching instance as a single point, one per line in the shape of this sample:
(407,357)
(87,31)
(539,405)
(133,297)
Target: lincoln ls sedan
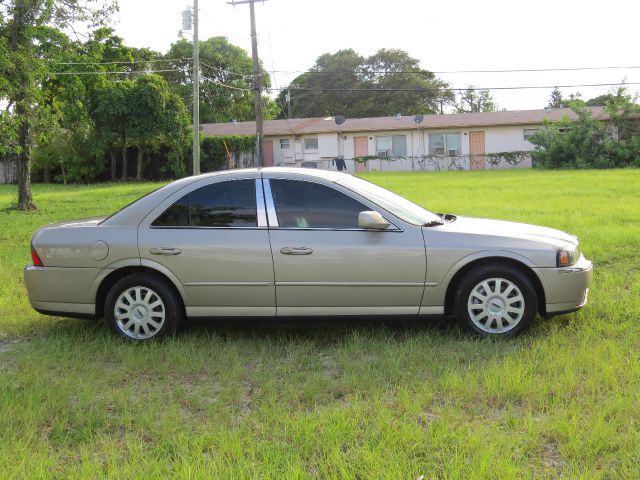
(299,242)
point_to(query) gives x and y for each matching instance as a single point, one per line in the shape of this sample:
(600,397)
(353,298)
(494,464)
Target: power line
(121,62)
(125,72)
(355,89)
(441,72)
(436,89)
(229,72)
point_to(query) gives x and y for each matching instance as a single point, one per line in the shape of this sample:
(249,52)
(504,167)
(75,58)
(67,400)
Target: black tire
(151,290)
(491,317)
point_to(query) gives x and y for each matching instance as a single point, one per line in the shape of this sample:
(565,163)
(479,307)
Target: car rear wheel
(496,300)
(141,307)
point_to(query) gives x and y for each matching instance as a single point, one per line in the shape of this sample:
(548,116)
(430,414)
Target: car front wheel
(140,307)
(496,300)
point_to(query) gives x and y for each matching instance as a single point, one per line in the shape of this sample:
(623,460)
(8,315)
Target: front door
(326,265)
(267,153)
(214,240)
(476,150)
(361,149)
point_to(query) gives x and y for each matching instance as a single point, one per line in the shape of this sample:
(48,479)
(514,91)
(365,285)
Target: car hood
(501,228)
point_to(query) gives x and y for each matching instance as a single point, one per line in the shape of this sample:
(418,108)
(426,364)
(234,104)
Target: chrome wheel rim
(496,305)
(139,312)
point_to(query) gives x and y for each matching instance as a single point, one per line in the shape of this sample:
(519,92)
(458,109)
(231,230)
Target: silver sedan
(282,242)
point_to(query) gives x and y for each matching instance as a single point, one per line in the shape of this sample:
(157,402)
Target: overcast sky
(445,36)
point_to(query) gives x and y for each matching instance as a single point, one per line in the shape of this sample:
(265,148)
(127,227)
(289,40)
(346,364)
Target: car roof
(310,172)
(132,214)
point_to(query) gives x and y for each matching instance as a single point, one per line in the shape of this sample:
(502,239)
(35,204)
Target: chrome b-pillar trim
(271,209)
(262,216)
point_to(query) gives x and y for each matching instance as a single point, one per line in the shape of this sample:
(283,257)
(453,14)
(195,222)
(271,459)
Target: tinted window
(224,204)
(177,215)
(310,205)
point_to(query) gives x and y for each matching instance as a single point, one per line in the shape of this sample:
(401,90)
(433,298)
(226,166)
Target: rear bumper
(61,291)
(71,310)
(567,288)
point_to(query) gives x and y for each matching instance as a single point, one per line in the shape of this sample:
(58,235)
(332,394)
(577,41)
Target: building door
(361,149)
(476,151)
(267,153)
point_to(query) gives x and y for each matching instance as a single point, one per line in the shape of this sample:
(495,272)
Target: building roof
(302,126)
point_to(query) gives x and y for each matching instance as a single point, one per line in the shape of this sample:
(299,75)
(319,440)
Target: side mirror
(372,220)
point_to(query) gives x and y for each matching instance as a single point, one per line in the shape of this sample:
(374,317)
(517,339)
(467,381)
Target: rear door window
(222,204)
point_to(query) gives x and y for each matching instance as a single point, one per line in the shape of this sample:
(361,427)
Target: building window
(445,144)
(311,143)
(284,144)
(391,146)
(527,132)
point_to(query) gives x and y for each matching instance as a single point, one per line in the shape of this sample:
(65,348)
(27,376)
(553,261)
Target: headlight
(567,256)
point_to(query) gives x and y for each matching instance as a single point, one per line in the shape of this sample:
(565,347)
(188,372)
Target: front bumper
(566,288)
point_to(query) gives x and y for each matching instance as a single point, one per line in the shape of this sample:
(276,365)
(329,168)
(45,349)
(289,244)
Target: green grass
(368,399)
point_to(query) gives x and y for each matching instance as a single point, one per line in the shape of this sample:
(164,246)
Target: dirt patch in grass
(551,456)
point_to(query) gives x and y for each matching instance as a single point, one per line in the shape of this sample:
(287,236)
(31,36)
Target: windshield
(397,205)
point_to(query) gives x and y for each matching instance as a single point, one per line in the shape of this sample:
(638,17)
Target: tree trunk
(47,174)
(23,110)
(114,166)
(139,169)
(25,199)
(124,161)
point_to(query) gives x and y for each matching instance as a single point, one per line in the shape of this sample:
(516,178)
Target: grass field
(368,399)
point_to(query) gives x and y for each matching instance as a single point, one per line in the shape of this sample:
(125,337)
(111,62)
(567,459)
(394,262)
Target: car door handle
(165,251)
(296,251)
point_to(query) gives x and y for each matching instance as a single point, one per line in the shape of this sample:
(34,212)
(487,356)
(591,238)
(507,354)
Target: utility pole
(257,78)
(196,92)
(189,20)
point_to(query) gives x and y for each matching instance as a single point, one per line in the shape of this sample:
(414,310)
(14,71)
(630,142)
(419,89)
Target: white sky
(445,36)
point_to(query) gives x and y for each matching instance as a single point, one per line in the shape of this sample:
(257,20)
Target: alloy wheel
(139,312)
(496,305)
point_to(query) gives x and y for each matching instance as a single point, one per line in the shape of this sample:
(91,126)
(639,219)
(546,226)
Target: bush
(590,143)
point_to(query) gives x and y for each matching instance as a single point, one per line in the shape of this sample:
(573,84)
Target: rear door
(326,265)
(213,238)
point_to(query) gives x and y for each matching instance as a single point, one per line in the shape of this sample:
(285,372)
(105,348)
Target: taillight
(35,258)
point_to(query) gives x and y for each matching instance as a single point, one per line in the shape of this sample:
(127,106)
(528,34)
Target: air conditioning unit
(384,153)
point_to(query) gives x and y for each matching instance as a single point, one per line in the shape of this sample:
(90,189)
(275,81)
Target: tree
(338,70)
(388,82)
(226,86)
(111,114)
(472,100)
(556,100)
(143,113)
(157,117)
(624,111)
(24,70)
(70,97)
(600,100)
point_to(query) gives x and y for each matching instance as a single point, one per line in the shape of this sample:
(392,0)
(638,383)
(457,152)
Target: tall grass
(364,399)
